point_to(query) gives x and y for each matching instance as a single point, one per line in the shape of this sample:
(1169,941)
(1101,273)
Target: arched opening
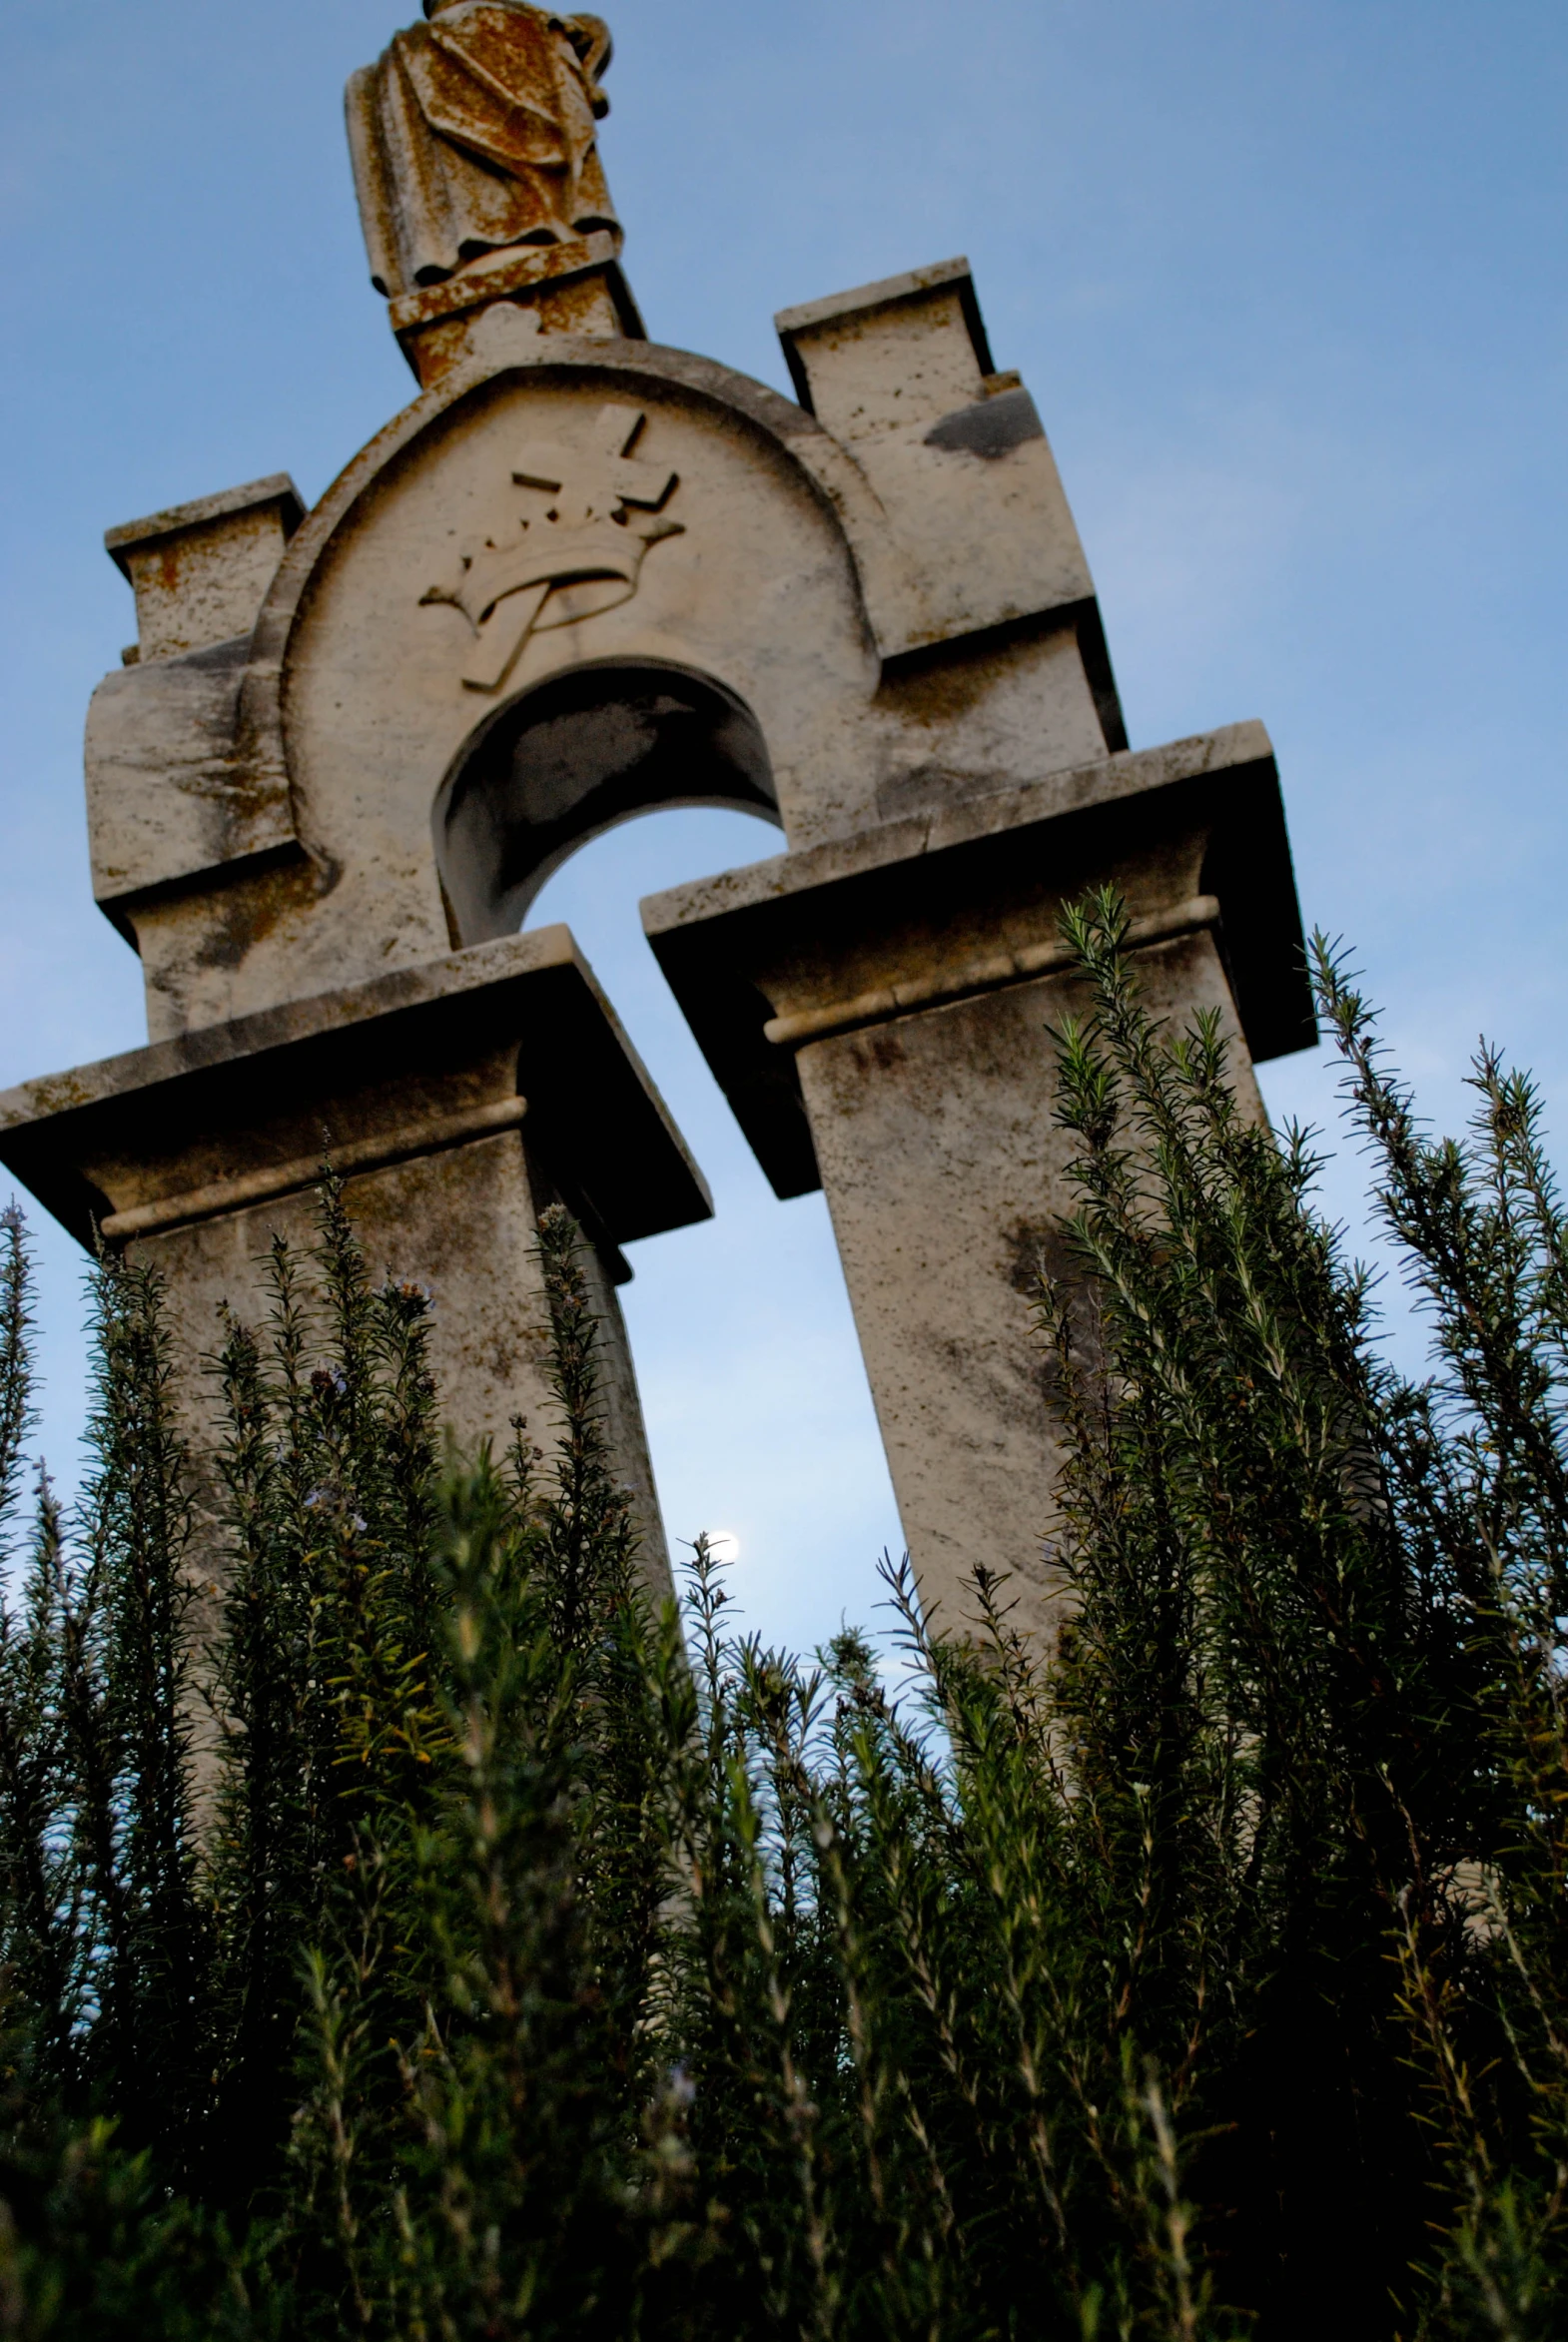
(575,756)
(759,1417)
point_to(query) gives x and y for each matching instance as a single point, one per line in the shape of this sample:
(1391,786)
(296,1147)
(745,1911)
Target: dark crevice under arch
(574,756)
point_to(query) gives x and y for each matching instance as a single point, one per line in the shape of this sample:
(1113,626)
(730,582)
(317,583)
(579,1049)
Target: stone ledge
(200,570)
(410,1141)
(147,1135)
(1130,773)
(894,922)
(974,977)
(864,300)
(516,268)
(136,535)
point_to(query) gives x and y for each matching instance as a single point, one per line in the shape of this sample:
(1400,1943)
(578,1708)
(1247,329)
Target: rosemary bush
(411,1935)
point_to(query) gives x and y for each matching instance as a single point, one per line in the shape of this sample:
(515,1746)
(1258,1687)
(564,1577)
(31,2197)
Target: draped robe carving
(476,131)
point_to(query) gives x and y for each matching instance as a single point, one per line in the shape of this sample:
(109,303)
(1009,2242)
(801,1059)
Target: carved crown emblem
(582,554)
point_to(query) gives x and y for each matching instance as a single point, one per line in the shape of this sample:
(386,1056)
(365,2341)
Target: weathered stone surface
(946,1175)
(459,1100)
(170,796)
(199,571)
(901,373)
(172,802)
(879,1012)
(919,912)
(475,132)
(500,307)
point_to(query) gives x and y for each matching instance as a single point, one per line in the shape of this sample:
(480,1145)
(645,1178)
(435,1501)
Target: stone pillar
(199,571)
(879,1012)
(459,1099)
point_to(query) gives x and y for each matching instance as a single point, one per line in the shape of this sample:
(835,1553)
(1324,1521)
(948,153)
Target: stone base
(575,287)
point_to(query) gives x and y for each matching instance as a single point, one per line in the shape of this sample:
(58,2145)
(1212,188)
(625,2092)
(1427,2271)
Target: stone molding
(431,1137)
(974,977)
(408,1065)
(914,915)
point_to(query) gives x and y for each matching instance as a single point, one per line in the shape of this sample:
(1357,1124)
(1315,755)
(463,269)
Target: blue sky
(1286,278)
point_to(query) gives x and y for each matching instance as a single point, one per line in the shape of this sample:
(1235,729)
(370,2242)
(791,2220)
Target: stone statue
(476,133)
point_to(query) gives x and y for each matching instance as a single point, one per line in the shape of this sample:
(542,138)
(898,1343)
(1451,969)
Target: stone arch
(357,701)
(585,749)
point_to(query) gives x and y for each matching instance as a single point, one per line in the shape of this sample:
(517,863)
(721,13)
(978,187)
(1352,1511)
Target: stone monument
(579,578)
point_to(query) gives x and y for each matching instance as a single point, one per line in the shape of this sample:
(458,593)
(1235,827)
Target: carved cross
(590,482)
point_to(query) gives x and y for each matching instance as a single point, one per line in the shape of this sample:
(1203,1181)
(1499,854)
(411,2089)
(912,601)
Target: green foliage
(427,1936)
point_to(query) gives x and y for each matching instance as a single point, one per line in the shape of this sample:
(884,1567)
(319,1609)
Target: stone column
(880,1013)
(459,1099)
